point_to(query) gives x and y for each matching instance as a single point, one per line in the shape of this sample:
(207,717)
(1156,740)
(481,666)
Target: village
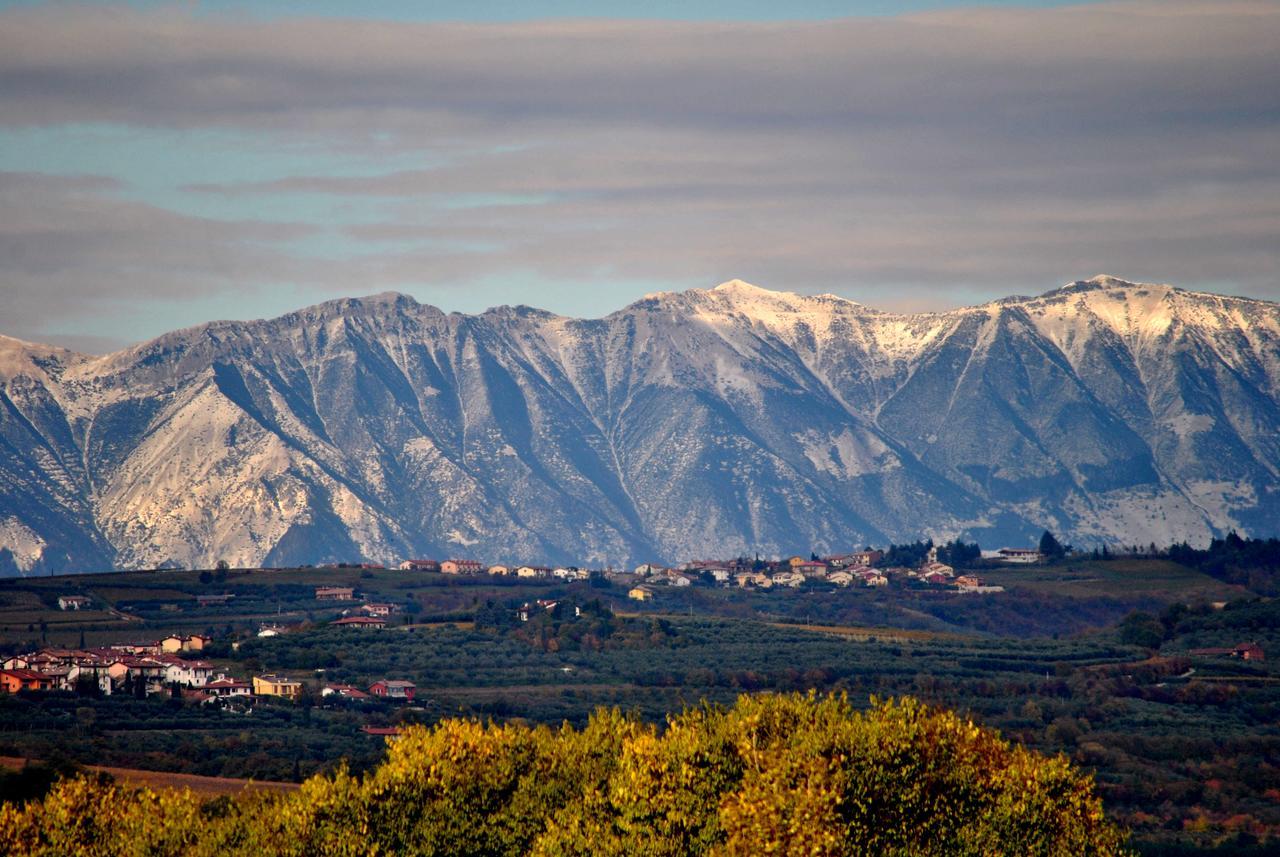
(171,666)
(174,665)
(859,568)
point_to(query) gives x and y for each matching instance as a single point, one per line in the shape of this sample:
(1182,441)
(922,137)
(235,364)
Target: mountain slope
(729,420)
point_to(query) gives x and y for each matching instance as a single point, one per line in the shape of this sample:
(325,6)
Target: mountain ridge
(734,418)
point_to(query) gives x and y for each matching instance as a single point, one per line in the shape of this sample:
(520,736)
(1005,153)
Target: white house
(840,578)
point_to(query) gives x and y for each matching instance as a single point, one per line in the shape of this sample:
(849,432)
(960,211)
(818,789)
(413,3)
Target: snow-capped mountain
(707,422)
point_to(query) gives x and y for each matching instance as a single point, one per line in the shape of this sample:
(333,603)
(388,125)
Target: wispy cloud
(958,154)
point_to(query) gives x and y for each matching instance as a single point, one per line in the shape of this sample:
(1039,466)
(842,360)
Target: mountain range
(717,422)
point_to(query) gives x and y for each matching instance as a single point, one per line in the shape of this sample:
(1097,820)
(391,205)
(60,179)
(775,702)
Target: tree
(1142,629)
(772,774)
(1050,546)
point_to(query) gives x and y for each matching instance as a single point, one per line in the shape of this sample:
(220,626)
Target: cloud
(951,154)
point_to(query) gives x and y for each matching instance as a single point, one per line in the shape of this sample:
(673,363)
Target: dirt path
(164,780)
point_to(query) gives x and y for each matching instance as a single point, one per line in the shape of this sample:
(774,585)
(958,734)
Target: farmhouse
(419,565)
(335,593)
(344,691)
(73,602)
(499,570)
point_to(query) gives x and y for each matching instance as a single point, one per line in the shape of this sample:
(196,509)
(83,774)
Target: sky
(165,164)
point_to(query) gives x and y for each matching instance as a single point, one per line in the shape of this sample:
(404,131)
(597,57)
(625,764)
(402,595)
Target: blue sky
(166,164)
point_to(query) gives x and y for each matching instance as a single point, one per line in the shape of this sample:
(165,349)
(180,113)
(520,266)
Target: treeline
(571,626)
(955,553)
(773,774)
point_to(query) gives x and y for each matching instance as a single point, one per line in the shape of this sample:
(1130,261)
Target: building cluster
(859,568)
(474,567)
(161,666)
(152,665)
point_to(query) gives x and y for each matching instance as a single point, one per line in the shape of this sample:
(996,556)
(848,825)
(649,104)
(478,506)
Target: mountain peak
(1101,282)
(742,286)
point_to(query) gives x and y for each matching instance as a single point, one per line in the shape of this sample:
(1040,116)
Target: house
(73,602)
(224,687)
(191,673)
(840,578)
(139,647)
(379,609)
(419,565)
(796,560)
(875,580)
(753,579)
(1019,556)
(269,631)
(640,593)
(533,571)
(12,681)
(179,643)
(213,600)
(344,691)
(461,566)
(968,581)
(794,579)
(275,685)
(335,593)
(645,569)
(373,622)
(936,567)
(935,577)
(499,570)
(393,689)
(1244,651)
(865,557)
(1248,652)
(679,580)
(810,569)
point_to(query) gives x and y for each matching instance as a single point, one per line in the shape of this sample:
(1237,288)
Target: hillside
(734,419)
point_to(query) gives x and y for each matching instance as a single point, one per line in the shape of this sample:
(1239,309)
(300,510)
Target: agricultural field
(1095,661)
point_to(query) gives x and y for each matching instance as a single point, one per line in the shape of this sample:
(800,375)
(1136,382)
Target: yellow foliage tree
(775,774)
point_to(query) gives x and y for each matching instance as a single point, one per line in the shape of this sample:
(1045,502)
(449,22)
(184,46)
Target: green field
(1155,578)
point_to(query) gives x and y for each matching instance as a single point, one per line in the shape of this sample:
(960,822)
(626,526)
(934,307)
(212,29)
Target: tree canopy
(775,773)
